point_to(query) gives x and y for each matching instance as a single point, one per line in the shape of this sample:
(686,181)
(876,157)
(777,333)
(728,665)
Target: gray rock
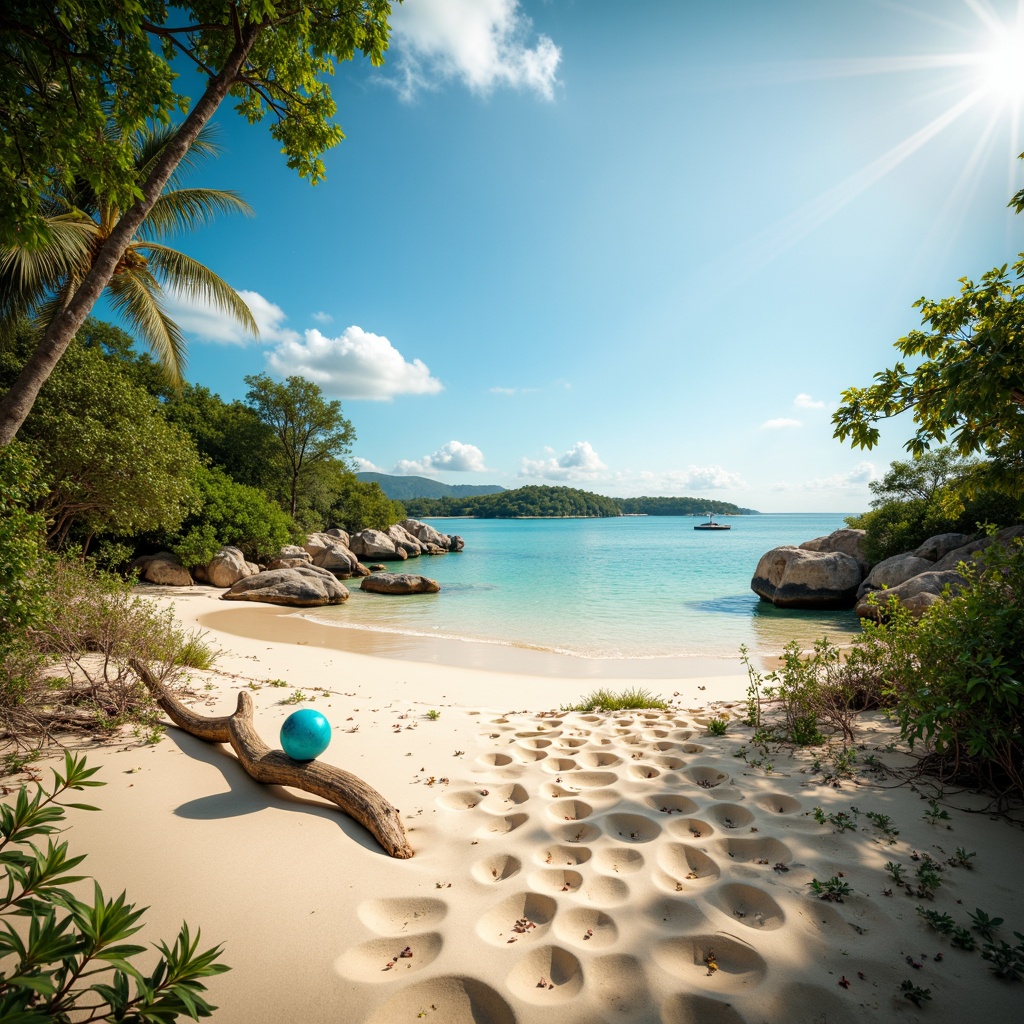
(317,542)
(893,571)
(847,541)
(163,568)
(940,545)
(792,577)
(374,544)
(338,535)
(226,568)
(289,563)
(338,559)
(917,594)
(968,552)
(455,542)
(294,551)
(305,586)
(426,534)
(401,538)
(399,583)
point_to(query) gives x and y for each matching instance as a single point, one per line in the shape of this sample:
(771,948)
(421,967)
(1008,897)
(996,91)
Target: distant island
(541,502)
(401,488)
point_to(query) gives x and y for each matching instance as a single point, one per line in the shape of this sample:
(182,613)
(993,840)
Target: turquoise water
(633,587)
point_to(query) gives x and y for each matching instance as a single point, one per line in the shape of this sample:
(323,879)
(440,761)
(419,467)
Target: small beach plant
(917,995)
(633,699)
(935,814)
(63,958)
(433,714)
(983,924)
(942,923)
(718,726)
(832,890)
(1006,961)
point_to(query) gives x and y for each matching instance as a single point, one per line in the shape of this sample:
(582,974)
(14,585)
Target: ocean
(636,587)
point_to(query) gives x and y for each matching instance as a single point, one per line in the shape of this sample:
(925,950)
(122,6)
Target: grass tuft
(626,700)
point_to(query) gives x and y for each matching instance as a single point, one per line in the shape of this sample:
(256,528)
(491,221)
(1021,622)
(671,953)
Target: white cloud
(356,364)
(675,482)
(322,318)
(481,43)
(861,474)
(454,457)
(208,323)
(579,462)
(361,465)
(803,401)
(513,391)
(782,423)
(706,478)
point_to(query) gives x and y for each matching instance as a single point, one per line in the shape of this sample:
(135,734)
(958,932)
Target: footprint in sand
(524,755)
(705,776)
(382,960)
(685,957)
(569,810)
(502,798)
(689,828)
(557,790)
(603,891)
(557,765)
(517,920)
(498,868)
(778,803)
(465,1001)
(395,917)
(572,832)
(618,860)
(620,988)
(749,905)
(559,856)
(729,815)
(494,760)
(630,828)
(599,759)
(461,799)
(501,825)
(684,866)
(675,915)
(684,1008)
(669,762)
(765,851)
(546,976)
(643,771)
(587,928)
(555,880)
(593,780)
(669,803)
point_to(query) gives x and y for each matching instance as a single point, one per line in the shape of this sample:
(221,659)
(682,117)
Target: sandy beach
(568,867)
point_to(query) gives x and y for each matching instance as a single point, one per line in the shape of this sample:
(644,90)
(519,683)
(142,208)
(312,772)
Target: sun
(1003,65)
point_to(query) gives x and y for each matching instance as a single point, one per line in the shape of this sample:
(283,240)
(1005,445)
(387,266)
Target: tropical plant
(114,63)
(39,280)
(72,960)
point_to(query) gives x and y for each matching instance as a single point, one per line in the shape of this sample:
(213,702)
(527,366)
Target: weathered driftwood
(275,768)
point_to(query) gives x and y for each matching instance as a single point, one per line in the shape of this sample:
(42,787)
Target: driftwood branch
(275,768)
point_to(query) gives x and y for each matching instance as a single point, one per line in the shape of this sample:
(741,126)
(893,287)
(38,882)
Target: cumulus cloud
(513,391)
(782,423)
(356,364)
(483,44)
(361,465)
(580,462)
(674,482)
(322,318)
(454,457)
(803,401)
(205,322)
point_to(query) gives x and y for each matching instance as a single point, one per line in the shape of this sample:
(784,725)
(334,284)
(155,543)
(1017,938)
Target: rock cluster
(833,572)
(307,576)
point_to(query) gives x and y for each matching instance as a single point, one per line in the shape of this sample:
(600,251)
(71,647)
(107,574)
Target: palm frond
(148,146)
(188,208)
(180,273)
(135,294)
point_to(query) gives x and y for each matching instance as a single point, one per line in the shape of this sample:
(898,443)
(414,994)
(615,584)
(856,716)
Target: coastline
(635,844)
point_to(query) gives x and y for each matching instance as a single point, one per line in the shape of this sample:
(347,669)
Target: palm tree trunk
(17,403)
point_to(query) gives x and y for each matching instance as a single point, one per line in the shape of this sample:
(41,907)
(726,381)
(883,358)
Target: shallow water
(632,587)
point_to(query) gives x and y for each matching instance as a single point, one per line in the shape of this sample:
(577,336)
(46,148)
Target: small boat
(711,524)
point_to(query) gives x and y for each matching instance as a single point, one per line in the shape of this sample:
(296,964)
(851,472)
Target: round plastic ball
(305,734)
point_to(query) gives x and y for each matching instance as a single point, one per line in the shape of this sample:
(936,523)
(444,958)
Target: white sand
(630,847)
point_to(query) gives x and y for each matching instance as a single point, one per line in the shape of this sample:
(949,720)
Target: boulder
(338,559)
(338,535)
(317,542)
(226,568)
(426,534)
(940,545)
(967,552)
(848,542)
(798,577)
(917,594)
(401,538)
(399,583)
(305,586)
(455,542)
(163,568)
(374,544)
(289,563)
(893,571)
(294,551)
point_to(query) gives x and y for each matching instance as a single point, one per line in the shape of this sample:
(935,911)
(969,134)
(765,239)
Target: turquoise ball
(305,734)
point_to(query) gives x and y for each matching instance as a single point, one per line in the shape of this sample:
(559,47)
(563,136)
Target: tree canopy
(968,387)
(111,62)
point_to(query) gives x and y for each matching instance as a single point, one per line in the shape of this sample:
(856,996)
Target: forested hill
(402,488)
(560,502)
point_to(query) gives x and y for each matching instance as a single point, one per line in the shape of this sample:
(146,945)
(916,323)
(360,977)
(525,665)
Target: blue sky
(630,248)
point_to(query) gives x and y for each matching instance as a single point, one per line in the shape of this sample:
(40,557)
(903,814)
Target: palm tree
(38,283)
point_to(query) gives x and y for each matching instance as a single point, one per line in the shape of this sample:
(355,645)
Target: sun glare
(1004,66)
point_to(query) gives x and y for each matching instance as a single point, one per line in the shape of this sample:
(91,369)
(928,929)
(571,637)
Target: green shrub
(625,700)
(63,958)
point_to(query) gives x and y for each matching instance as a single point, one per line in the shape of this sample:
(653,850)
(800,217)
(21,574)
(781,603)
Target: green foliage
(966,383)
(364,506)
(917,995)
(896,870)
(23,557)
(72,959)
(928,878)
(983,924)
(718,726)
(433,714)
(962,859)
(942,923)
(933,494)
(533,502)
(832,890)
(679,506)
(935,814)
(840,820)
(604,699)
(110,462)
(1006,961)
(230,513)
(403,488)
(953,676)
(310,432)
